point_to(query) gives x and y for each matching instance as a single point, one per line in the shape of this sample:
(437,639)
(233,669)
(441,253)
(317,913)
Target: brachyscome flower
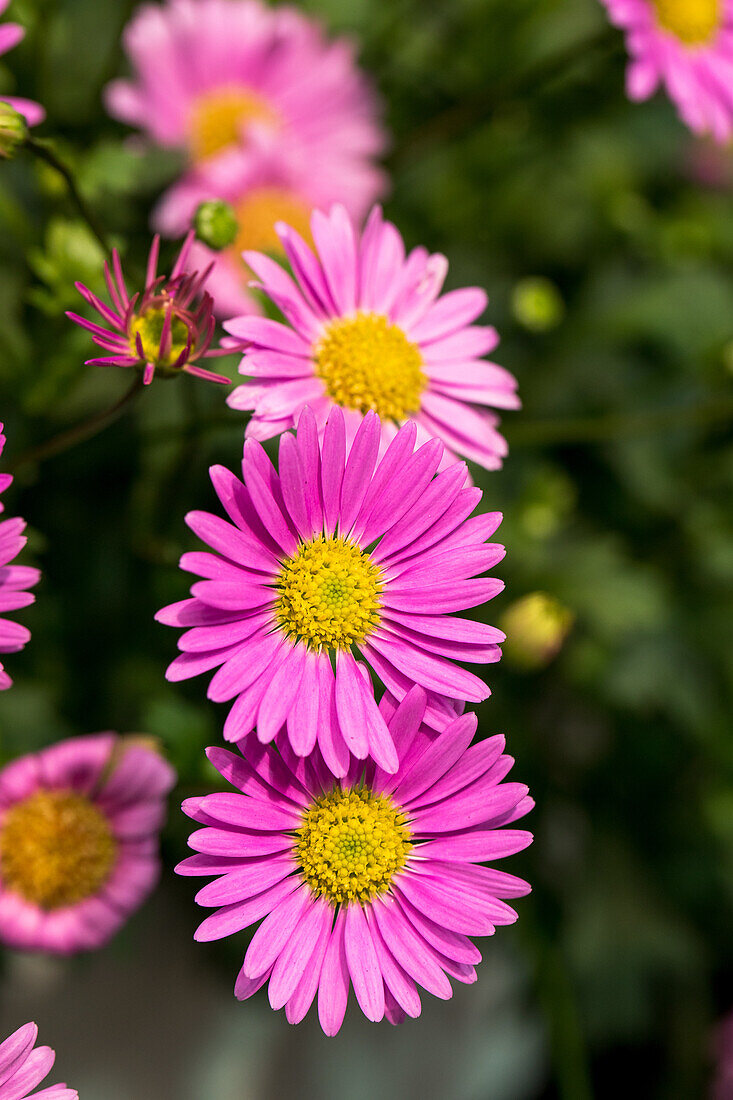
(15,580)
(10,35)
(687,45)
(367,330)
(333,556)
(23,1065)
(167,328)
(215,75)
(79,825)
(373,880)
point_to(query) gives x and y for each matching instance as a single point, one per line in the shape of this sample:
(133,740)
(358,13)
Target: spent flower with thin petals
(372,881)
(165,329)
(23,1065)
(340,553)
(79,824)
(15,580)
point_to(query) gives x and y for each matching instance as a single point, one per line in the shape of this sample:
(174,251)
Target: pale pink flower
(687,46)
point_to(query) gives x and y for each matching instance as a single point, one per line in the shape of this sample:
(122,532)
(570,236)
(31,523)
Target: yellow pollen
(257,214)
(694,22)
(328,594)
(218,118)
(368,363)
(150,328)
(351,845)
(56,849)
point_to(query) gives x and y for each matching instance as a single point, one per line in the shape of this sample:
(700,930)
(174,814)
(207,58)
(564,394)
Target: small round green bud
(215,224)
(13,130)
(537,304)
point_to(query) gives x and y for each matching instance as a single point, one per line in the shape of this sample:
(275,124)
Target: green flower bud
(215,224)
(536,627)
(537,304)
(13,130)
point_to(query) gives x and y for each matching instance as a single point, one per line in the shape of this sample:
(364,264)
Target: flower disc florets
(56,848)
(329,593)
(351,844)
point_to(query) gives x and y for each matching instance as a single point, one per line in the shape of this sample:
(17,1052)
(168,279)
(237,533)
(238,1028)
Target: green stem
(69,438)
(44,151)
(453,121)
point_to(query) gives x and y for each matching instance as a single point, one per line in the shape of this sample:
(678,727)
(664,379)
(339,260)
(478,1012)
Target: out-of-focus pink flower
(10,35)
(686,45)
(212,74)
(79,824)
(367,329)
(23,1065)
(15,580)
(263,191)
(167,328)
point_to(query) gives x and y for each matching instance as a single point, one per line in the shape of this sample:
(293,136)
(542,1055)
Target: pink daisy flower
(373,880)
(10,35)
(337,554)
(168,328)
(367,331)
(687,45)
(14,580)
(22,1068)
(79,825)
(210,75)
(273,187)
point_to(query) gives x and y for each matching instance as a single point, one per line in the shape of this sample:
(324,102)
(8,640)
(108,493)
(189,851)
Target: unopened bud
(536,627)
(215,224)
(537,304)
(13,130)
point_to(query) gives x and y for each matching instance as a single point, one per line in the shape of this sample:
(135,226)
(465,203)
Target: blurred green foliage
(610,270)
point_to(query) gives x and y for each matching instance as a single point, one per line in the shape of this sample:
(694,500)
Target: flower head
(687,45)
(79,826)
(216,76)
(10,35)
(334,556)
(23,1065)
(14,580)
(367,330)
(167,328)
(373,880)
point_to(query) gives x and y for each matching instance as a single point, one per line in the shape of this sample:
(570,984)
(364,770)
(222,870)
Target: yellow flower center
(150,328)
(694,22)
(56,848)
(351,845)
(218,117)
(368,363)
(328,594)
(257,214)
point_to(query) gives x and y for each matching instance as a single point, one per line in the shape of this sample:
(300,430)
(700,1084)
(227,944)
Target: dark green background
(617,497)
